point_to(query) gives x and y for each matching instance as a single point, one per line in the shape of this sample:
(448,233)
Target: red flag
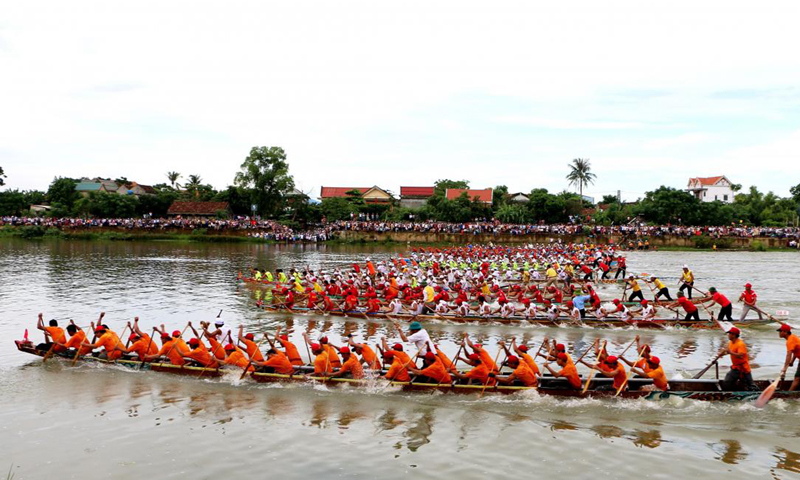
(26,335)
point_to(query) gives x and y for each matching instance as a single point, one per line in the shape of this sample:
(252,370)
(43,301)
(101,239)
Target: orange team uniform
(437,372)
(280,364)
(531,363)
(76,340)
(793,345)
(487,360)
(368,355)
(446,362)
(659,378)
(239,359)
(216,348)
(56,336)
(252,349)
(524,374)
(353,366)
(176,354)
(291,352)
(322,364)
(398,371)
(741,364)
(110,341)
(571,374)
(619,377)
(481,374)
(202,356)
(140,345)
(334,358)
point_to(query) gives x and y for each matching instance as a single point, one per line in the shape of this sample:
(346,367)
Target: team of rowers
(355,359)
(431,289)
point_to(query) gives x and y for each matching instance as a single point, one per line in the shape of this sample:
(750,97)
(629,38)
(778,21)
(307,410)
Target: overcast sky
(403,93)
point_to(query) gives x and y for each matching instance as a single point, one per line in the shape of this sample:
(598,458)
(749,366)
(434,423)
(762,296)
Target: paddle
(175,342)
(489,378)
(147,350)
(404,366)
(630,372)
(592,371)
(258,347)
(703,371)
(767,394)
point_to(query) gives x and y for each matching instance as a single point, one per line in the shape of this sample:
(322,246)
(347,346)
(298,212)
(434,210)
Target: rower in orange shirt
(368,355)
(217,344)
(792,354)
(448,364)
(237,358)
(351,365)
(433,371)
(610,368)
(277,362)
(486,359)
(739,375)
(250,345)
(522,353)
(480,371)
(398,371)
(107,340)
(322,364)
(333,356)
(290,350)
(141,343)
(200,354)
(522,373)
(77,337)
(567,371)
(171,347)
(654,371)
(397,352)
(53,334)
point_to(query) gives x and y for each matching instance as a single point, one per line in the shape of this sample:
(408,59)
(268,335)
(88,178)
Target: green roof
(87,187)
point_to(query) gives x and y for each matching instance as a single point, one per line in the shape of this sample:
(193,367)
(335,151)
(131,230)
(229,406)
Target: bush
(758,246)
(706,242)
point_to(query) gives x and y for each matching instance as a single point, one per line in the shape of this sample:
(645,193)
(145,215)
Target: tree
(122,181)
(266,172)
(2,176)
(580,174)
(173,178)
(609,199)
(509,213)
(194,184)
(62,192)
(499,197)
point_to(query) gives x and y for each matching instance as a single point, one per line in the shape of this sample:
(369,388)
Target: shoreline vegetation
(664,243)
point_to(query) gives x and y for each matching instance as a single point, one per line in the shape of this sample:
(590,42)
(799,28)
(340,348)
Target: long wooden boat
(608,322)
(700,389)
(505,282)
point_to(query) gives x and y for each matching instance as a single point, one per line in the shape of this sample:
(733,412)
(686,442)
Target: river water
(105,422)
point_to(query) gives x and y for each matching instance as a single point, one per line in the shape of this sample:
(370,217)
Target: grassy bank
(198,235)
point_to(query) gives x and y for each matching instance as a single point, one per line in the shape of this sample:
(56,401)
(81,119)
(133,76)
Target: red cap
(513,359)
(397,347)
(785,328)
(430,356)
(747,285)
(560,347)
(479,345)
(284,337)
(323,340)
(734,330)
(194,341)
(643,302)
(523,348)
(250,336)
(315,346)
(616,301)
(229,347)
(474,357)
(165,336)
(133,337)
(344,350)
(611,359)
(654,360)
(388,355)
(176,333)
(547,302)
(99,329)
(562,356)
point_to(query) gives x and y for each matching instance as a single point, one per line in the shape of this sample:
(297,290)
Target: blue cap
(415,326)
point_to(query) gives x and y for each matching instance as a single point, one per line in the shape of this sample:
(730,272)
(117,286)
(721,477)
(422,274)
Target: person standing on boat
(418,336)
(690,308)
(739,374)
(622,267)
(686,281)
(749,298)
(636,290)
(792,354)
(725,306)
(661,289)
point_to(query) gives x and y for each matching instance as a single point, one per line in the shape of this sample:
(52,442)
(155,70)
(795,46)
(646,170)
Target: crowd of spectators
(272,230)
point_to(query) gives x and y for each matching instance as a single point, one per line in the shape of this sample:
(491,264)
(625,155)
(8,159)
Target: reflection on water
(115,410)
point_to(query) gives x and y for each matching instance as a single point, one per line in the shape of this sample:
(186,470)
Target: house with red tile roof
(373,194)
(710,189)
(483,196)
(415,197)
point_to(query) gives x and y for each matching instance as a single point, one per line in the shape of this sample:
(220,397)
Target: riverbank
(349,237)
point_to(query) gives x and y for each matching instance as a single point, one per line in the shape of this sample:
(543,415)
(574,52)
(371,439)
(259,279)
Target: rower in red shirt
(725,307)
(688,306)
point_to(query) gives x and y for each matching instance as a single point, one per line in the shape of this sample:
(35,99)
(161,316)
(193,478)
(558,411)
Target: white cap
(219,323)
(686,266)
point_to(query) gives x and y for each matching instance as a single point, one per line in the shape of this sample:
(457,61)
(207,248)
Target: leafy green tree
(266,173)
(238,199)
(62,192)
(668,205)
(609,199)
(338,208)
(580,174)
(193,185)
(12,202)
(440,186)
(2,177)
(157,204)
(173,178)
(510,213)
(499,197)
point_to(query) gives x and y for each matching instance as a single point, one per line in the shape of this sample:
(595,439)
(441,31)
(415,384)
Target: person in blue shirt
(580,303)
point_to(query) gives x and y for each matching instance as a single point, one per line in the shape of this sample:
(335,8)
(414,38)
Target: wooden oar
(411,360)
(767,394)
(591,371)
(703,371)
(147,350)
(630,372)
(119,338)
(258,348)
(49,352)
(489,378)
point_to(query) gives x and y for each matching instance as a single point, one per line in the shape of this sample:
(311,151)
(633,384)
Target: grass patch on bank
(32,232)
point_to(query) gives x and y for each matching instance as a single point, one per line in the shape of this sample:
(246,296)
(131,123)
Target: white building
(710,189)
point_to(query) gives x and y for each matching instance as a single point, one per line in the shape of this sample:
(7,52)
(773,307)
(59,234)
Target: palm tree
(193,185)
(580,173)
(173,178)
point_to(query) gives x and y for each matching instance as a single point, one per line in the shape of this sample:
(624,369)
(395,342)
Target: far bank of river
(666,242)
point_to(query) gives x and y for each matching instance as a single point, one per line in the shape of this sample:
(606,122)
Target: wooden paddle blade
(767,394)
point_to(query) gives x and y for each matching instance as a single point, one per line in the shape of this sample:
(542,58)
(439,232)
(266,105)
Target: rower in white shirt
(418,336)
